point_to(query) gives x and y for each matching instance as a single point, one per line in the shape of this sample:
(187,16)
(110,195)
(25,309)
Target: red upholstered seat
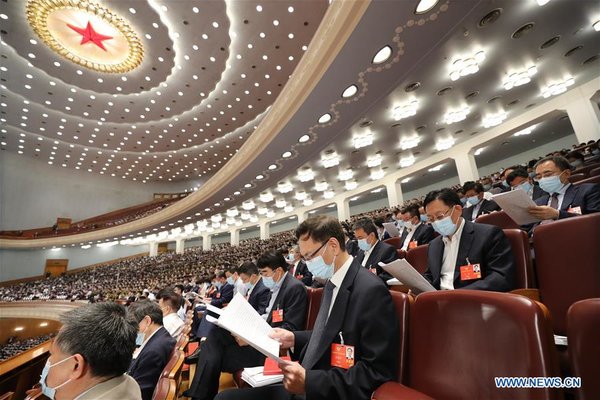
(395,241)
(499,219)
(519,242)
(567,259)
(460,340)
(417,257)
(583,328)
(166,389)
(402,302)
(312,309)
(595,171)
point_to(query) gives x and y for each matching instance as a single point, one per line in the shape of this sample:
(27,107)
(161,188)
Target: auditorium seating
(402,303)
(395,241)
(312,308)
(593,179)
(586,169)
(459,341)
(519,243)
(595,171)
(499,219)
(583,328)
(566,264)
(417,257)
(166,389)
(577,177)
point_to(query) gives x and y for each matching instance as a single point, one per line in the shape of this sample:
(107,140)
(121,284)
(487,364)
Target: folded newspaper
(242,320)
(407,275)
(255,377)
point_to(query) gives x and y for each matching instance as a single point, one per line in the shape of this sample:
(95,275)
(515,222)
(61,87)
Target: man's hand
(285,338)
(544,212)
(293,377)
(239,340)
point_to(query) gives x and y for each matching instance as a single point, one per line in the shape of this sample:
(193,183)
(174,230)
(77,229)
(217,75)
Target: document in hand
(255,377)
(405,273)
(243,321)
(391,229)
(515,203)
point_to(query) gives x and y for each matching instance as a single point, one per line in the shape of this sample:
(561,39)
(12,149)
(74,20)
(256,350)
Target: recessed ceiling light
(382,55)
(275,22)
(444,144)
(215,24)
(362,139)
(325,118)
(272,167)
(425,6)
(542,2)
(350,91)
(596,26)
(304,138)
(287,154)
(132,10)
(405,110)
(259,8)
(407,161)
(3,16)
(290,9)
(493,119)
(351,185)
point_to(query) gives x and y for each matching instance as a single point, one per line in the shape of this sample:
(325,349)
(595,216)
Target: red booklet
(271,367)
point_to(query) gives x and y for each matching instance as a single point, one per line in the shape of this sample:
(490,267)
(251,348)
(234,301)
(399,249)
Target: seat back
(400,253)
(166,389)
(519,243)
(312,309)
(567,255)
(577,177)
(595,171)
(402,302)
(460,340)
(499,218)
(174,366)
(395,241)
(417,257)
(182,342)
(593,179)
(586,169)
(583,327)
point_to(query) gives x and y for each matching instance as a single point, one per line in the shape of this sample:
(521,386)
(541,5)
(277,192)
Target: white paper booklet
(515,203)
(391,229)
(255,378)
(407,275)
(242,320)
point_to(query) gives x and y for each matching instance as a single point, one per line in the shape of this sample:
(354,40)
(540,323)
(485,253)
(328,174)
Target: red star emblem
(88,34)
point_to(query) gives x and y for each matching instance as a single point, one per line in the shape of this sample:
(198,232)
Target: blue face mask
(423,217)
(363,244)
(319,269)
(230,280)
(290,257)
(218,285)
(268,282)
(46,390)
(505,184)
(248,285)
(463,201)
(525,186)
(551,184)
(399,223)
(473,200)
(531,174)
(445,226)
(139,339)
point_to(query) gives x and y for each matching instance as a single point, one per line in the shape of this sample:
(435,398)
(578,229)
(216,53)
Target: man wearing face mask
(90,355)
(564,200)
(575,159)
(356,313)
(156,345)
(519,180)
(298,267)
(233,278)
(169,302)
(257,293)
(373,250)
(478,205)
(416,233)
(466,255)
(222,296)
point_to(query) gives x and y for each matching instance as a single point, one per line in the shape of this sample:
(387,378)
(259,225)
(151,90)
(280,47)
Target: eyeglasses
(546,174)
(440,216)
(314,253)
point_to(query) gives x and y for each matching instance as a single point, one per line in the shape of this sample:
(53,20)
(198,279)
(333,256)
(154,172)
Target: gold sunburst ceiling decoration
(87,34)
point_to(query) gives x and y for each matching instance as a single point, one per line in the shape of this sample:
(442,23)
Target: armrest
(395,390)
(533,294)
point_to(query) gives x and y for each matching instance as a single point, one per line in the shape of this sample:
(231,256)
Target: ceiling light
(330,159)
(272,167)
(216,218)
(405,110)
(328,194)
(436,168)
(382,55)
(290,9)
(525,131)
(280,203)
(215,24)
(245,216)
(287,154)
(304,139)
(457,115)
(351,185)
(407,161)
(259,8)
(321,186)
(542,2)
(405,180)
(596,26)
(266,197)
(444,144)
(20,328)
(325,118)
(425,6)
(284,187)
(306,174)
(479,151)
(300,195)
(248,205)
(350,91)
(519,78)
(493,119)
(374,161)
(377,174)
(345,174)
(557,87)
(260,177)
(307,202)
(232,212)
(362,139)
(409,142)
(262,210)
(289,208)
(466,66)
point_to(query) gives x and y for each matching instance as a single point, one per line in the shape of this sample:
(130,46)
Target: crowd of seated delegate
(15,346)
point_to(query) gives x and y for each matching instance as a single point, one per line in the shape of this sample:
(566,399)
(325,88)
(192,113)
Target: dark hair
(470,185)
(576,154)
(508,168)
(169,297)
(220,274)
(321,228)
(103,334)
(412,209)
(179,286)
(272,260)
(378,221)
(519,172)
(559,161)
(367,225)
(248,268)
(447,196)
(139,309)
(232,269)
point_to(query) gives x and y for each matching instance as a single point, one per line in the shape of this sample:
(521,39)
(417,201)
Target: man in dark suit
(415,233)
(345,321)
(479,206)
(466,255)
(373,250)
(221,352)
(257,293)
(564,200)
(519,179)
(222,296)
(298,267)
(156,345)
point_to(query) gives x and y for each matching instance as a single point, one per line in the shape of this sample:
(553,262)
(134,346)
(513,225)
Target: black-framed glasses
(314,253)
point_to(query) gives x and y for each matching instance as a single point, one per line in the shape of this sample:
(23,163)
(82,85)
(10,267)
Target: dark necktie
(403,237)
(554,201)
(310,357)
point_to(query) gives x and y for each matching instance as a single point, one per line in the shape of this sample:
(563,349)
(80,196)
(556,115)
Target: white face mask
(46,390)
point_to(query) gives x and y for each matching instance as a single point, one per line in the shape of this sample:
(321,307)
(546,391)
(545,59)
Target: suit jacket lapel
(436,248)
(278,298)
(568,198)
(466,240)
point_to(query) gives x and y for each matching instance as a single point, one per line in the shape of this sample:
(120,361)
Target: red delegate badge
(277,315)
(342,356)
(412,244)
(470,271)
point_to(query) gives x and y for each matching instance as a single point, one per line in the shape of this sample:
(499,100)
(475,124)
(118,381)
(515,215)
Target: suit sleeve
(148,371)
(263,301)
(226,296)
(307,278)
(427,236)
(387,257)
(377,352)
(294,315)
(590,205)
(499,264)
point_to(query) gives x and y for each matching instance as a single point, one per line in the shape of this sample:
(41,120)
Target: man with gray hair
(90,355)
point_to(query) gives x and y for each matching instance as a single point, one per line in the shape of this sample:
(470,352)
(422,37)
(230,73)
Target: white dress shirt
(368,254)
(173,324)
(409,236)
(337,279)
(449,257)
(476,208)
